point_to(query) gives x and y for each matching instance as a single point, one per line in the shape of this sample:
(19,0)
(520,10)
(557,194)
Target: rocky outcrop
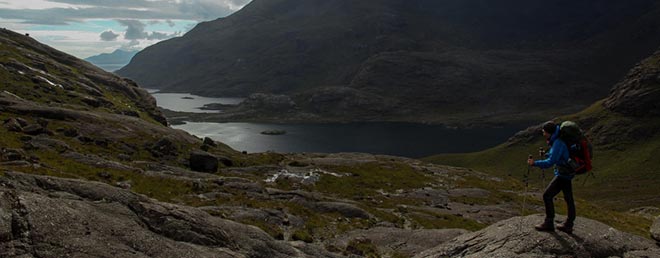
(639,93)
(36,72)
(655,229)
(51,217)
(516,237)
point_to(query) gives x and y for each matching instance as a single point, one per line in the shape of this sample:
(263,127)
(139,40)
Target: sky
(85,28)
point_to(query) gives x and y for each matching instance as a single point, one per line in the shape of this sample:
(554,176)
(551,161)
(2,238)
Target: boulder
(209,141)
(12,125)
(70,132)
(516,237)
(655,229)
(34,129)
(164,147)
(44,142)
(201,161)
(22,121)
(12,154)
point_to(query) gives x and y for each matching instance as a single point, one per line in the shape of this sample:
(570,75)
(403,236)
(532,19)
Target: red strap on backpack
(587,157)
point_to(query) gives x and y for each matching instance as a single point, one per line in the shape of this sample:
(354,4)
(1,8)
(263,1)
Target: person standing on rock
(557,155)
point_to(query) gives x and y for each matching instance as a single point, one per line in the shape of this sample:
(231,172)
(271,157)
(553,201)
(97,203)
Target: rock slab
(516,237)
(44,216)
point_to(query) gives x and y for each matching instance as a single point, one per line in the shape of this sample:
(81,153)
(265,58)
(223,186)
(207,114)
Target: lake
(184,102)
(399,139)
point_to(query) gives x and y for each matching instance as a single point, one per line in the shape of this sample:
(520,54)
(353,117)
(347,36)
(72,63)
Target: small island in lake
(274,132)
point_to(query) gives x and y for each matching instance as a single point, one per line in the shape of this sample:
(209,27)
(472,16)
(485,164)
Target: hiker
(558,155)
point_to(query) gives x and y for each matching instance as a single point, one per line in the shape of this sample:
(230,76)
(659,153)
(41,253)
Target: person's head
(549,129)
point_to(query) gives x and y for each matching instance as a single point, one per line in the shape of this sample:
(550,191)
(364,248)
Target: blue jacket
(557,155)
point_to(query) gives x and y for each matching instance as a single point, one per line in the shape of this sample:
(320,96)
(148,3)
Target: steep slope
(410,60)
(624,129)
(34,72)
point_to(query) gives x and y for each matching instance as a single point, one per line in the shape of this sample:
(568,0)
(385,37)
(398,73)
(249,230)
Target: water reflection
(400,139)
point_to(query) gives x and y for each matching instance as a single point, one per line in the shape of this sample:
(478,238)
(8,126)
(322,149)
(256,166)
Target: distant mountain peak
(112,61)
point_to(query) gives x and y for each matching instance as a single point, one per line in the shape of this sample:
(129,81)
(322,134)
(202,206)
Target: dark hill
(410,60)
(625,131)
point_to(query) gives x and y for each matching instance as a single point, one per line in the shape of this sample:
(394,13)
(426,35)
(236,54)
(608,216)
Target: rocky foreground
(43,216)
(516,237)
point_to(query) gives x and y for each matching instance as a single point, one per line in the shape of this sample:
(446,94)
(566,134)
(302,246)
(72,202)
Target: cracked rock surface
(516,237)
(52,217)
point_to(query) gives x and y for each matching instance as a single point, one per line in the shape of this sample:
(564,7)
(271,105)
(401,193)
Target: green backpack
(579,149)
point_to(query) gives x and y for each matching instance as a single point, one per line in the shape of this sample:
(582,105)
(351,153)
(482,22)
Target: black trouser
(559,185)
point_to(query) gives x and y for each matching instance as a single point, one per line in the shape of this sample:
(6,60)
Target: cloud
(109,36)
(80,10)
(160,36)
(141,22)
(79,43)
(134,29)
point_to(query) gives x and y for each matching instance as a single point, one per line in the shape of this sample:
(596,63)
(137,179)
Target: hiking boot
(545,226)
(566,227)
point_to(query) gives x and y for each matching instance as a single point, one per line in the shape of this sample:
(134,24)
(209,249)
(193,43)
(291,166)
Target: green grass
(366,179)
(160,188)
(625,172)
(625,169)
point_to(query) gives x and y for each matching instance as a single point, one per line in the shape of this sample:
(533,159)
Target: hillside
(432,61)
(624,129)
(91,178)
(111,62)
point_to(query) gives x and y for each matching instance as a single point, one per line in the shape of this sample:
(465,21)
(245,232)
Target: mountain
(88,167)
(624,128)
(112,61)
(458,61)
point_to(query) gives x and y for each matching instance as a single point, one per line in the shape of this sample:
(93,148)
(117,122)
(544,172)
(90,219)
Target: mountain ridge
(449,52)
(112,61)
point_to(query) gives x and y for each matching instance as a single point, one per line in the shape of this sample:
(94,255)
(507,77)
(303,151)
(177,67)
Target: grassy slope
(625,172)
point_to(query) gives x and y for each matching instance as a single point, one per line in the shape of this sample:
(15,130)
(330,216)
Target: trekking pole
(526,181)
(590,173)
(542,156)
